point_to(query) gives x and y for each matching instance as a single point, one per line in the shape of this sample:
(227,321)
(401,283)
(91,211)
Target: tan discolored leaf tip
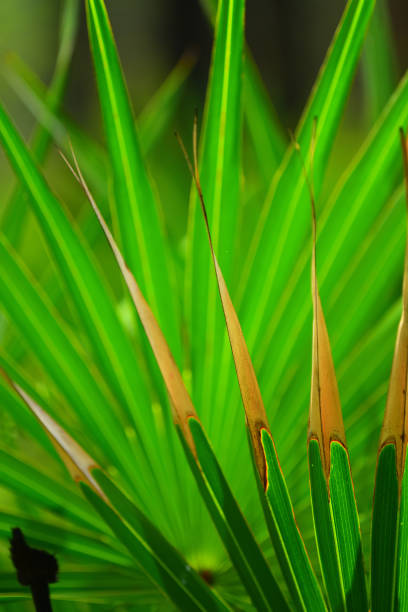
(181,404)
(395,425)
(325,416)
(77,461)
(256,419)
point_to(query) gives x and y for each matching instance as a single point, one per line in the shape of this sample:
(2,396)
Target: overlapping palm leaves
(100,382)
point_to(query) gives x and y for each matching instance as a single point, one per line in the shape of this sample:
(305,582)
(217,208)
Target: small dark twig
(35,568)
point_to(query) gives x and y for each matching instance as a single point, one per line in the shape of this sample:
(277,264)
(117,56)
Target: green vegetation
(154,395)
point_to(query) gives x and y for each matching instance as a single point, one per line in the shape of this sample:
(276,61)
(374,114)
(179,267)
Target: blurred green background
(288,39)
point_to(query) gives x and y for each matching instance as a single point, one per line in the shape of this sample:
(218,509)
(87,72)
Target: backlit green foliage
(173,507)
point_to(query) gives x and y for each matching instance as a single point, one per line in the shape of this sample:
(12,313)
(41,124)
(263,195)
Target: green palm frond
(154,394)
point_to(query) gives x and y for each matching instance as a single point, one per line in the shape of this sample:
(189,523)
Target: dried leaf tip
(181,405)
(395,425)
(325,417)
(77,461)
(251,397)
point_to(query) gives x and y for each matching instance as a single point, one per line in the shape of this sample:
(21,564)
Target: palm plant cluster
(156,434)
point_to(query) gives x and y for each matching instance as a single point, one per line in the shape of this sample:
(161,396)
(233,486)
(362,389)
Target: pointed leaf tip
(77,461)
(181,404)
(325,416)
(256,418)
(395,425)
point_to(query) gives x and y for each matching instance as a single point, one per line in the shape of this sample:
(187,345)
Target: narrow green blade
(323,526)
(136,207)
(157,558)
(220,146)
(277,506)
(231,525)
(347,528)
(282,224)
(274,284)
(94,303)
(393,442)
(286,537)
(377,167)
(378,61)
(345,219)
(147,561)
(52,344)
(384,531)
(334,505)
(94,585)
(72,542)
(159,112)
(13,405)
(208,599)
(265,132)
(401,594)
(152,122)
(186,420)
(32,484)
(33,94)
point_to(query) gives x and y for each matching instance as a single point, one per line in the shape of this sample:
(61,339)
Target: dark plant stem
(35,568)
(41,597)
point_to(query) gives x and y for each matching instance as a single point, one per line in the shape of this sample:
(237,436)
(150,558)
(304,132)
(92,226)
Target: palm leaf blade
(384,531)
(135,204)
